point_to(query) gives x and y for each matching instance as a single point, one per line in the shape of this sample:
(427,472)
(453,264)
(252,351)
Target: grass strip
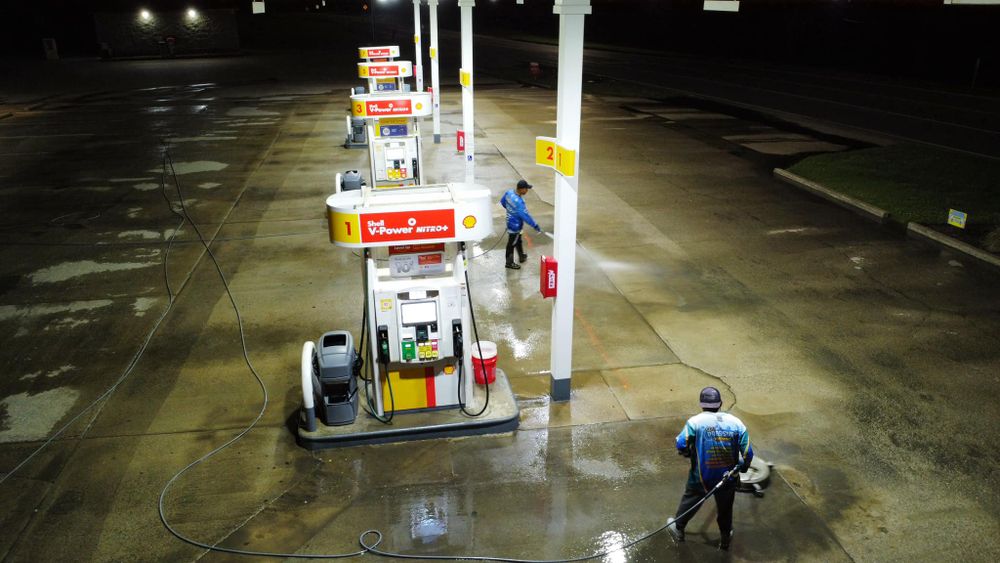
(913,182)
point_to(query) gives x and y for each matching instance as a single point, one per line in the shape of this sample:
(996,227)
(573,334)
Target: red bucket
(487,363)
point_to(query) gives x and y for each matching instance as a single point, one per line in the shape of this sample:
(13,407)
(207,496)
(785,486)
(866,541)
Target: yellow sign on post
(565,161)
(545,151)
(465,77)
(554,156)
(344,227)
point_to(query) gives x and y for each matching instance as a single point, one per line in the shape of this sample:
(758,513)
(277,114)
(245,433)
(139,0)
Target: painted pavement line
(783,114)
(813,99)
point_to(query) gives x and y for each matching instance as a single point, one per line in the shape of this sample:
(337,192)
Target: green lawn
(913,182)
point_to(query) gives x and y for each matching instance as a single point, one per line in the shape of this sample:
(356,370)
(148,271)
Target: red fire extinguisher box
(549,274)
(460,140)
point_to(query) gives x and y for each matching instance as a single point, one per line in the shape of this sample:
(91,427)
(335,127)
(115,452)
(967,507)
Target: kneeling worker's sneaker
(726,540)
(675,532)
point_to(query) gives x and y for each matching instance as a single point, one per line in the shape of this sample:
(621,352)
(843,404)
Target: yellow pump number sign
(345,227)
(550,154)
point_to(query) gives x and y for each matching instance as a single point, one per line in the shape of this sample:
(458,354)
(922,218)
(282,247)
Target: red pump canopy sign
(407,225)
(417,216)
(400,105)
(384,52)
(399,69)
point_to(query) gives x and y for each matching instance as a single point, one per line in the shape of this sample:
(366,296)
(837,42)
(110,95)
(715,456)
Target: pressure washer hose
(366,545)
(372,547)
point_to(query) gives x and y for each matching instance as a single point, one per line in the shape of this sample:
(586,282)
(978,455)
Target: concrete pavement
(850,352)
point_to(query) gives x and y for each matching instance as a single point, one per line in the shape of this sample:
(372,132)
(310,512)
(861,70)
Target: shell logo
(420,105)
(469,221)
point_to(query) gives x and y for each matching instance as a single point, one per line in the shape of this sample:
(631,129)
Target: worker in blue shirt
(717,442)
(517,216)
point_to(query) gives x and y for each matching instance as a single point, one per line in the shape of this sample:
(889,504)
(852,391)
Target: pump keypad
(419,350)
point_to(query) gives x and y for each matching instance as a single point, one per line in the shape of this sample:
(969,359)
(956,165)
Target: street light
(721,6)
(145,15)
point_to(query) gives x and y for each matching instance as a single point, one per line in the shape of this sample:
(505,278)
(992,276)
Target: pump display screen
(420,313)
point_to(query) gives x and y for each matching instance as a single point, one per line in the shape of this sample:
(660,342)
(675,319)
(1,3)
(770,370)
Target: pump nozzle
(456,335)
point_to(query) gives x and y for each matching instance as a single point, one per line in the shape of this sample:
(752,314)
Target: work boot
(523,259)
(514,266)
(674,531)
(727,538)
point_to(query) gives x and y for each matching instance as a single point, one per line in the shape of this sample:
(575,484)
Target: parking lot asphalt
(864,364)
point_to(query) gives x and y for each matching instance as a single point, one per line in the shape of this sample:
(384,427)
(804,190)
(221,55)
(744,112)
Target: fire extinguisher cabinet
(549,276)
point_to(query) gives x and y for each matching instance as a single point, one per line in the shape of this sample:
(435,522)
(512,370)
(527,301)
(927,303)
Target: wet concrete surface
(864,365)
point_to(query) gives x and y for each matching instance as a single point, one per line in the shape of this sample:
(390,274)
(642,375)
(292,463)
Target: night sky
(916,38)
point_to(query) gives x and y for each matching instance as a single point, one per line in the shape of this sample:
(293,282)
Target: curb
(914,230)
(858,206)
(5,115)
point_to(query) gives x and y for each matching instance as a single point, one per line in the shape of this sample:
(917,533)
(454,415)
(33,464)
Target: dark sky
(912,37)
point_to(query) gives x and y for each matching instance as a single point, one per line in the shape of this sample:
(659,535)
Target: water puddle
(32,417)
(70,270)
(8,312)
(181,168)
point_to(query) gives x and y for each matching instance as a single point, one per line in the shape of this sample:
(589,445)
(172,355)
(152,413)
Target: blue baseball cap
(710,398)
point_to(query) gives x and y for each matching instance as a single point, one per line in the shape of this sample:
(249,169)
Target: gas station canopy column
(435,72)
(466,78)
(570,84)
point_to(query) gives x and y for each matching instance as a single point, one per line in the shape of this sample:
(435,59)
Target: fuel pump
(382,74)
(394,134)
(417,316)
(389,114)
(419,326)
(414,351)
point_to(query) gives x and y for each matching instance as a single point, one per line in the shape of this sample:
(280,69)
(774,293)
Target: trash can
(487,363)
(335,385)
(351,180)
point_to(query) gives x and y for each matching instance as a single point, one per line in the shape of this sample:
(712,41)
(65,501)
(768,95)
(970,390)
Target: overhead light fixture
(722,6)
(192,14)
(145,15)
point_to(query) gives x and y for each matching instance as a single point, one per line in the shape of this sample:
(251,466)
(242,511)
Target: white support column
(468,123)
(570,93)
(418,59)
(435,71)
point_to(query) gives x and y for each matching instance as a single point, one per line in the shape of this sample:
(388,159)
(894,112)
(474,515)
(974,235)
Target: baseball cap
(710,398)
(523,185)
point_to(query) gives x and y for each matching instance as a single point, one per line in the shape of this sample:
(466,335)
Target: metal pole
(467,99)
(435,71)
(419,71)
(570,85)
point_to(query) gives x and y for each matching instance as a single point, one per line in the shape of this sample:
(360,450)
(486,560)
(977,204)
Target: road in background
(875,105)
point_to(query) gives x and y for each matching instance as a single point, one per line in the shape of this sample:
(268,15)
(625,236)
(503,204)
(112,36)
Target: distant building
(147,32)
